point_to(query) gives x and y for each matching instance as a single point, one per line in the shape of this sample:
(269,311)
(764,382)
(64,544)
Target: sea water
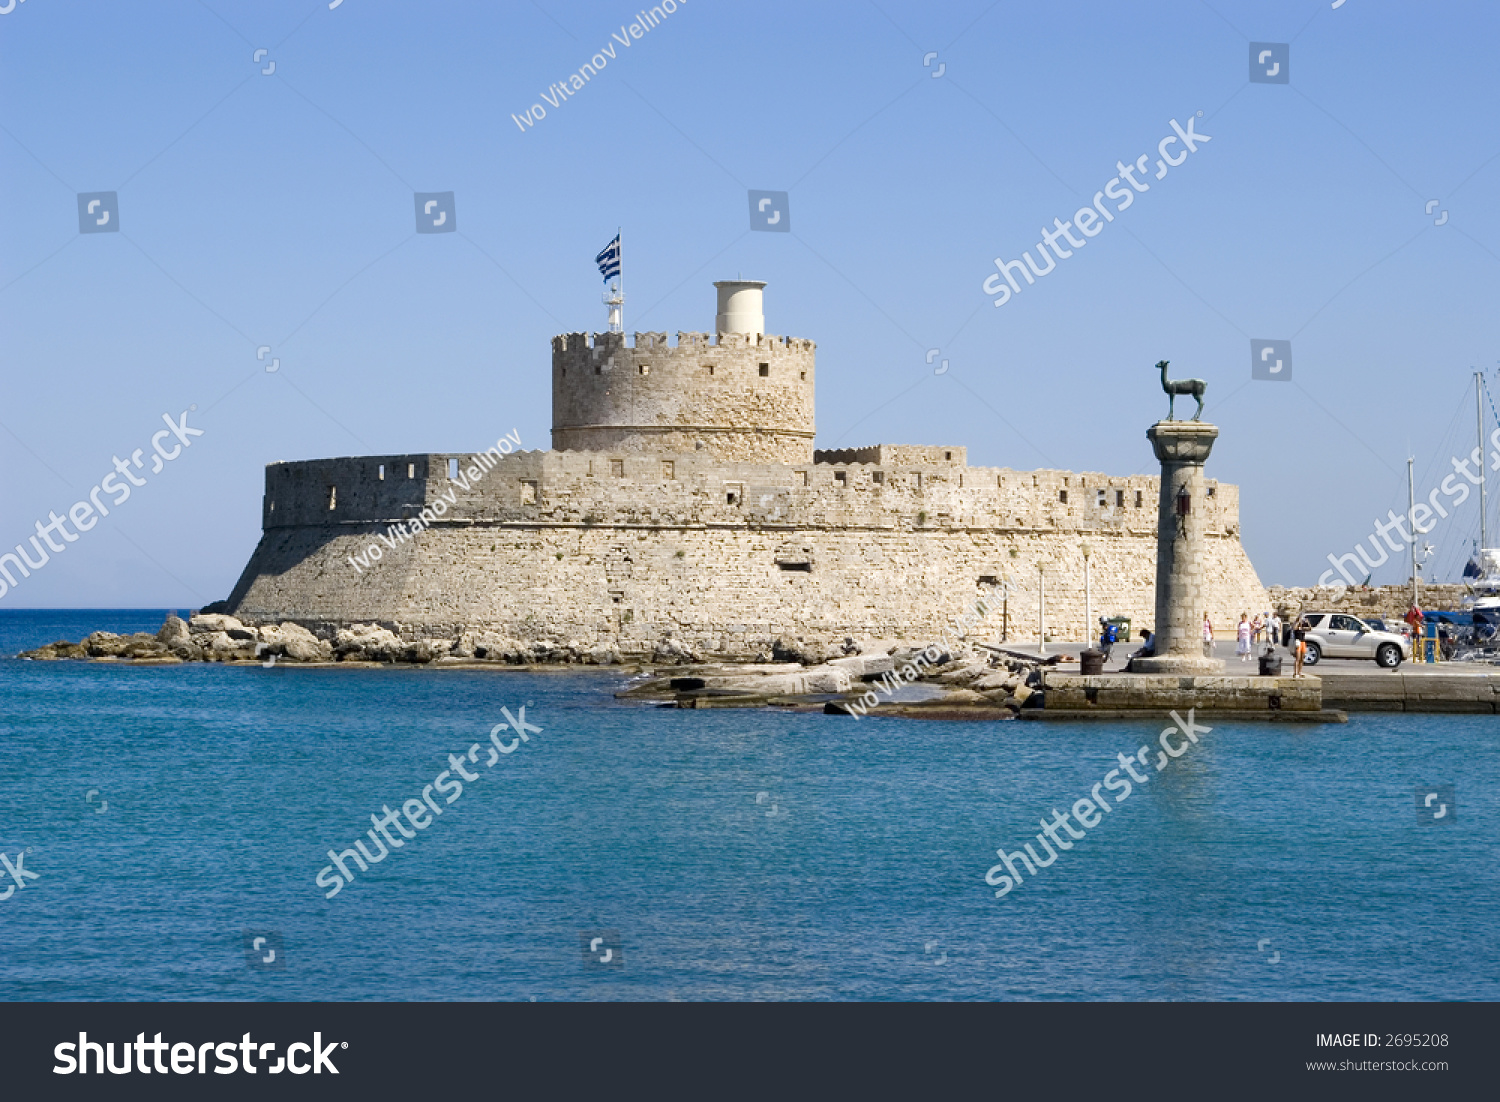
(175,814)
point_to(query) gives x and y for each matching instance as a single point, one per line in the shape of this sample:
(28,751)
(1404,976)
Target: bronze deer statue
(1174,387)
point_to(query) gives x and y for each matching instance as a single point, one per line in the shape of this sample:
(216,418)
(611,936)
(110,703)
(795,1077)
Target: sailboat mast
(1411,507)
(1479,430)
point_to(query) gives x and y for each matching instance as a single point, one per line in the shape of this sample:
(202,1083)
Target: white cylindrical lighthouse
(740,307)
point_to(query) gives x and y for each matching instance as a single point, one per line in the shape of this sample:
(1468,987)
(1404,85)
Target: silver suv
(1339,635)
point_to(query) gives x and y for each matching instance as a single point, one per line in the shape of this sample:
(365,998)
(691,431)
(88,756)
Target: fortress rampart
(632,548)
(737,396)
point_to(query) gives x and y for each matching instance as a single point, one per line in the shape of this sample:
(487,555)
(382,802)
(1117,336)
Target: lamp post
(1088,598)
(1041,608)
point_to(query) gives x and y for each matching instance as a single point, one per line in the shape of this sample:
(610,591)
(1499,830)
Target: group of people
(1248,633)
(1287,633)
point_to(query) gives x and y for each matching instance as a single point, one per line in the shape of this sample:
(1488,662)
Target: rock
(828,679)
(101,644)
(719,700)
(605,655)
(172,631)
(864,665)
(551,652)
(424,651)
(295,642)
(1022,694)
(907,654)
(963,696)
(54,651)
(221,647)
(208,624)
(143,646)
(788,649)
(674,652)
(367,643)
(964,675)
(999,679)
(106,644)
(491,646)
(823,680)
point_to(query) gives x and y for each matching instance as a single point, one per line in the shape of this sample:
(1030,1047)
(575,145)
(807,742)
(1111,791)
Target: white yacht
(1483,579)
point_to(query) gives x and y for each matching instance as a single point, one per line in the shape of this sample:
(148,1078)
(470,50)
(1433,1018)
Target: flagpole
(614,296)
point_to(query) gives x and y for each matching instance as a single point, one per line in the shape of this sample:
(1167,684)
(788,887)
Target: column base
(1178,663)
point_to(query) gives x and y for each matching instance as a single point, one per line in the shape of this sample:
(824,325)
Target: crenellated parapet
(624,487)
(736,396)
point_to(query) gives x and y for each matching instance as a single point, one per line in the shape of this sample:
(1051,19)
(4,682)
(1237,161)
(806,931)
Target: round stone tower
(739,393)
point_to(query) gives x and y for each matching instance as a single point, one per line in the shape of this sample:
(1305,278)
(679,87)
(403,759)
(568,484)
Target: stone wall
(737,397)
(898,455)
(1160,693)
(1388,602)
(631,548)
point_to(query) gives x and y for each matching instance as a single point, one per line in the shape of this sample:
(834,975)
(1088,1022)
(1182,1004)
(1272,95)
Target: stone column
(1182,447)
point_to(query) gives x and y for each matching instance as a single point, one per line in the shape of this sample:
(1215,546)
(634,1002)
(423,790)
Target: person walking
(1208,637)
(1417,622)
(1299,645)
(1273,632)
(1415,618)
(1109,634)
(1256,626)
(1242,638)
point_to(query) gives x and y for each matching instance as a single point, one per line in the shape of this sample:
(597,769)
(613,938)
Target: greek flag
(609,259)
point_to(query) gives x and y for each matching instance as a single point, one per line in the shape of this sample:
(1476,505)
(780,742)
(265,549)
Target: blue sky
(276,209)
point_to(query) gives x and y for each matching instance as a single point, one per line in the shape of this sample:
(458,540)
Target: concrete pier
(1129,696)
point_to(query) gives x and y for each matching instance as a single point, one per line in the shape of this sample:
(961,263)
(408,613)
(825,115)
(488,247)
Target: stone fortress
(684,510)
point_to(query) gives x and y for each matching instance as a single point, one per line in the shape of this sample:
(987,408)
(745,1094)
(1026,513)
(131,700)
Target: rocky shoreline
(852,678)
(215,637)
